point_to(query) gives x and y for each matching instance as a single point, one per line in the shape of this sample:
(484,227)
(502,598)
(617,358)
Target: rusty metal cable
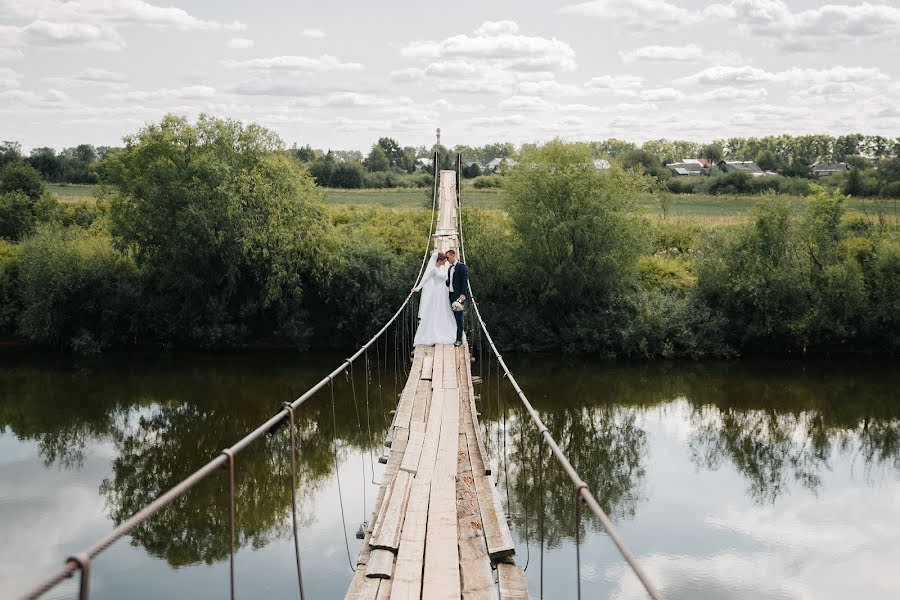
(73,564)
(293,435)
(580,486)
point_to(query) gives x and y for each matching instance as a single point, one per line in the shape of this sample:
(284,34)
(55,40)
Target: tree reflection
(166,421)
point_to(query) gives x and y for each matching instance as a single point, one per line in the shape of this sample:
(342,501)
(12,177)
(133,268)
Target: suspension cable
(81,561)
(581,488)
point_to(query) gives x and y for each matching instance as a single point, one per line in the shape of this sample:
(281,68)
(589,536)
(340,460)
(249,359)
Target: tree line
(211,234)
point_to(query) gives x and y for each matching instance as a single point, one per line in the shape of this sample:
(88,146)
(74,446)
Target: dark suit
(459,273)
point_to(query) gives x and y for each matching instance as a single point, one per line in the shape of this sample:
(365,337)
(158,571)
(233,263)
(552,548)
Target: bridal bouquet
(457,306)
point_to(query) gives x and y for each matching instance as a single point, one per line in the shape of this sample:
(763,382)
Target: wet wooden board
(449,373)
(420,404)
(512,582)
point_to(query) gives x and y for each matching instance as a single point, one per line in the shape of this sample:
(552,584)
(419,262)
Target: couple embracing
(443,288)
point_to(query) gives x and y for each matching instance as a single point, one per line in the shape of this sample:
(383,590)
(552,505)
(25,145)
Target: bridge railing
(226,459)
(581,489)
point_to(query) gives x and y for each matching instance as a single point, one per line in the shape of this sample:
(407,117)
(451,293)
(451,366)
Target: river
(748,479)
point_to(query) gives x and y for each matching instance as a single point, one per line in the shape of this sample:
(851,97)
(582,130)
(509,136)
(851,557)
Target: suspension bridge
(439,529)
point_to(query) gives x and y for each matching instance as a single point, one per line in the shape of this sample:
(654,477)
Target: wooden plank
(481,453)
(441,574)
(407,579)
(367,589)
(420,403)
(427,366)
(512,582)
(496,530)
(387,532)
(382,511)
(410,461)
(476,576)
(449,373)
(437,373)
(408,395)
(381,565)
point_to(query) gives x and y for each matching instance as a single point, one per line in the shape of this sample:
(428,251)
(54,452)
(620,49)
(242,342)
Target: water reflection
(780,425)
(164,422)
(744,468)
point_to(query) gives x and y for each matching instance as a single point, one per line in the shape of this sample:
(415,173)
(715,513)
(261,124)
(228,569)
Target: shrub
(685,185)
(16,215)
(10,300)
(77,290)
(21,177)
(483,182)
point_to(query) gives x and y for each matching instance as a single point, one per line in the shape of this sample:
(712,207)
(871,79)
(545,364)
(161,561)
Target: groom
(458,283)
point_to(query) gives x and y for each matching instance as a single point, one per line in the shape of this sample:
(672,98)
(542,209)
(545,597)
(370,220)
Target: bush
(483,182)
(10,300)
(685,185)
(21,177)
(16,215)
(77,290)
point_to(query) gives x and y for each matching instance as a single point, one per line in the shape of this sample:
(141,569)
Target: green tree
(854,185)
(766,160)
(21,177)
(229,231)
(713,152)
(10,152)
(378,159)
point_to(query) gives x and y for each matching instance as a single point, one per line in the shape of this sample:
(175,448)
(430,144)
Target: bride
(436,322)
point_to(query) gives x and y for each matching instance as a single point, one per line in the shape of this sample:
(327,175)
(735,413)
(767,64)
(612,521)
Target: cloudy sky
(340,74)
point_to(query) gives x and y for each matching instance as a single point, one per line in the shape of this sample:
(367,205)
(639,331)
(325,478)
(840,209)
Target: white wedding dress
(436,322)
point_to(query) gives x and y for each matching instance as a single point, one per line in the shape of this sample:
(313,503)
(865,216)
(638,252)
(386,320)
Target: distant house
(820,169)
(601,164)
(473,163)
(423,163)
(688,168)
(748,166)
(495,163)
(704,162)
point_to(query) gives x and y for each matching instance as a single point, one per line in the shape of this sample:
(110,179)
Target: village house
(495,163)
(748,166)
(690,167)
(820,169)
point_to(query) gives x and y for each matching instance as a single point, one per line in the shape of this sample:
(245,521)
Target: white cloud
(549,87)
(408,74)
(89,35)
(730,93)
(315,34)
(665,94)
(9,79)
(724,75)
(239,43)
(635,14)
(113,11)
(11,40)
(623,85)
(826,27)
(524,103)
(686,53)
(323,63)
(497,44)
(190,92)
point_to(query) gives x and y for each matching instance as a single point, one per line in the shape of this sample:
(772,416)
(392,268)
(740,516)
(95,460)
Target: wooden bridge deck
(438,530)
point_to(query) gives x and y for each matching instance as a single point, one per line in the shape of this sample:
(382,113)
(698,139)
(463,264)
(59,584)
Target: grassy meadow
(703,209)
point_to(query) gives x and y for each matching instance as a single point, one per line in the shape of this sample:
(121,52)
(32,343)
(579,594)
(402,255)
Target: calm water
(733,480)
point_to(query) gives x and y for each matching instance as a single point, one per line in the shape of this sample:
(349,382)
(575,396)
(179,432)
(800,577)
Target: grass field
(711,210)
(72,192)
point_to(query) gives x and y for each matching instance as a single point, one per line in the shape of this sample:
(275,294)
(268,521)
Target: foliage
(21,177)
(77,291)
(72,165)
(227,230)
(797,284)
(486,182)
